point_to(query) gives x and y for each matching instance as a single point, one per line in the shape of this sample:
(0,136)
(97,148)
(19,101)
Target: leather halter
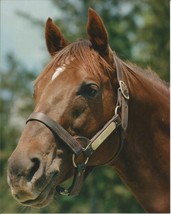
(75,144)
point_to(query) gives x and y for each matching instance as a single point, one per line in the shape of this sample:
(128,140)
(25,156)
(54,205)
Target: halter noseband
(91,144)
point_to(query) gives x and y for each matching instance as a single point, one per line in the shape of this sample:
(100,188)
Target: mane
(147,73)
(79,49)
(83,53)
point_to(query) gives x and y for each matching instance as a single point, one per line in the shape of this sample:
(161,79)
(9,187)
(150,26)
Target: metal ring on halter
(118,104)
(124,89)
(116,109)
(73,161)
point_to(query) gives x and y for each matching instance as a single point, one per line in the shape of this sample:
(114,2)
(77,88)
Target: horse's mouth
(45,196)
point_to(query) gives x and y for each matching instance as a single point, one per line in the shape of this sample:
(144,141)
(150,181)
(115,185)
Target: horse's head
(77,90)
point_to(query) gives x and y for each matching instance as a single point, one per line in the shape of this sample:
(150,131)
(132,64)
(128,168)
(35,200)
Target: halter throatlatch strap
(75,144)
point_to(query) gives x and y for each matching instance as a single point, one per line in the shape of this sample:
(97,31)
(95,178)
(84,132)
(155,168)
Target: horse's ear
(97,33)
(54,38)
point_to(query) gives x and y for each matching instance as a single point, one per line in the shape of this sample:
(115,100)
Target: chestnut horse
(91,109)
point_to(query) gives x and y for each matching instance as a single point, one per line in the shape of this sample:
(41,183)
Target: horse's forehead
(58,71)
(62,67)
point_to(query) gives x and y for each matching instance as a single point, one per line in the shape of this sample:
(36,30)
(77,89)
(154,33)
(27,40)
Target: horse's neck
(144,161)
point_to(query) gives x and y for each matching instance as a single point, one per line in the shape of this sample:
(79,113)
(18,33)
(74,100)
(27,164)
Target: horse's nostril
(34,168)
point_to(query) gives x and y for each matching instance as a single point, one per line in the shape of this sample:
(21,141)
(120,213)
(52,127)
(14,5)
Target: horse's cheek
(79,122)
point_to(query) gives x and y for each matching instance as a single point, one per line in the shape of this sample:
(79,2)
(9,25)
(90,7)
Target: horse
(91,109)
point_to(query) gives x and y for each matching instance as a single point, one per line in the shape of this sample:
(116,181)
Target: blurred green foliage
(138,31)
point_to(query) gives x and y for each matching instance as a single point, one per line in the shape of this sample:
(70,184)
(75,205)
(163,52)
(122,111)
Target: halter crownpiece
(91,144)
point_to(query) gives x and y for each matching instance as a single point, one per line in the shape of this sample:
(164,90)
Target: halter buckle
(74,163)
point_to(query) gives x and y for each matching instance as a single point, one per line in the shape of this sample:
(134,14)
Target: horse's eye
(89,90)
(92,90)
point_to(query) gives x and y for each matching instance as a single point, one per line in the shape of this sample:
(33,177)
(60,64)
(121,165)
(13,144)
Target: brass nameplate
(102,137)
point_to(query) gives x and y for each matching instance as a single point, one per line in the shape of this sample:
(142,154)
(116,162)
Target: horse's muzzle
(31,183)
